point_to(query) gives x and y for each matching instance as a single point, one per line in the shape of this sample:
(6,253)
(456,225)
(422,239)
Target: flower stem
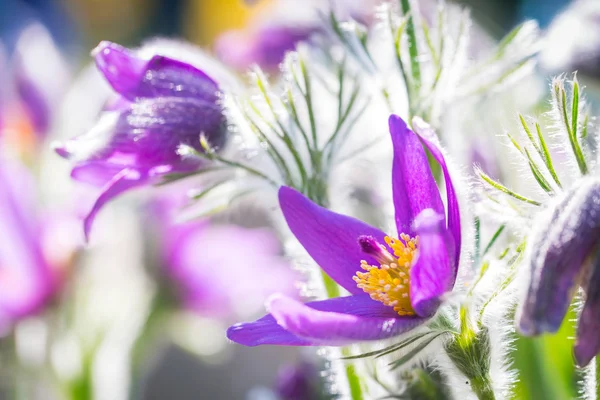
(353,379)
(597,386)
(482,388)
(331,288)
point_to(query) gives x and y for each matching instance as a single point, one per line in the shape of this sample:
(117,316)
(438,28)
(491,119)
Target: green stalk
(482,388)
(353,379)
(413,48)
(597,362)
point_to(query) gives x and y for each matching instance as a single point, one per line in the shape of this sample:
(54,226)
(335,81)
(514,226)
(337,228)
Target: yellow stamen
(390,283)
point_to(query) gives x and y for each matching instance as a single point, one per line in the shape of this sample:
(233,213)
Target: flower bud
(563,256)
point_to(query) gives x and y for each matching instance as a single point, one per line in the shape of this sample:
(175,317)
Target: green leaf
(560,100)
(537,174)
(546,155)
(391,348)
(493,239)
(411,354)
(413,46)
(504,189)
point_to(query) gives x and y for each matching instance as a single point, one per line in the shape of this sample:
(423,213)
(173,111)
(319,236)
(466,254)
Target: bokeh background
(219,370)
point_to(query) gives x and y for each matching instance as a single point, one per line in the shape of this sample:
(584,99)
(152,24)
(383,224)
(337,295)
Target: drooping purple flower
(28,277)
(162,104)
(564,256)
(403,279)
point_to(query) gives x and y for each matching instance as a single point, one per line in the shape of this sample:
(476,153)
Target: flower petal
(558,254)
(331,239)
(123,181)
(121,68)
(588,340)
(429,139)
(133,77)
(25,276)
(333,322)
(413,186)
(434,272)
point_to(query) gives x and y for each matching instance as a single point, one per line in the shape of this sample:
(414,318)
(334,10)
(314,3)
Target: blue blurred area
(541,10)
(16,14)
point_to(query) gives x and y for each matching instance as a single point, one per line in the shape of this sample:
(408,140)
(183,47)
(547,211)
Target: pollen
(389,282)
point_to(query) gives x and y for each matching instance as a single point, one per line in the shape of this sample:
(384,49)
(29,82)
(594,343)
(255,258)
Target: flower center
(389,282)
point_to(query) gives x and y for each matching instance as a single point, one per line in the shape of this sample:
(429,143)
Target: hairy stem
(597,386)
(482,387)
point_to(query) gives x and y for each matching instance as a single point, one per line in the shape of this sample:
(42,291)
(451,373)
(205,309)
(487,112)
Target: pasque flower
(565,255)
(395,283)
(162,103)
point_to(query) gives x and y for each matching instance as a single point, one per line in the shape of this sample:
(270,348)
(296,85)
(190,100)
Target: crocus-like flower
(564,255)
(162,104)
(403,278)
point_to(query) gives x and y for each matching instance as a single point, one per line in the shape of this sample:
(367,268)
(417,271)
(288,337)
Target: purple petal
(97,172)
(160,76)
(413,186)
(155,128)
(125,180)
(25,276)
(265,46)
(120,67)
(35,103)
(331,239)
(558,254)
(588,339)
(429,139)
(264,331)
(434,272)
(334,322)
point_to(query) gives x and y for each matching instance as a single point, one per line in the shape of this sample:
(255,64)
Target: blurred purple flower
(29,275)
(162,104)
(41,76)
(565,255)
(219,271)
(298,382)
(404,279)
(265,45)
(225,271)
(279,28)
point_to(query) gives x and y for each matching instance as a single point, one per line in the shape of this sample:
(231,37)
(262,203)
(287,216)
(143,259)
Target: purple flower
(265,45)
(27,277)
(41,76)
(280,27)
(298,382)
(162,104)
(403,279)
(564,255)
